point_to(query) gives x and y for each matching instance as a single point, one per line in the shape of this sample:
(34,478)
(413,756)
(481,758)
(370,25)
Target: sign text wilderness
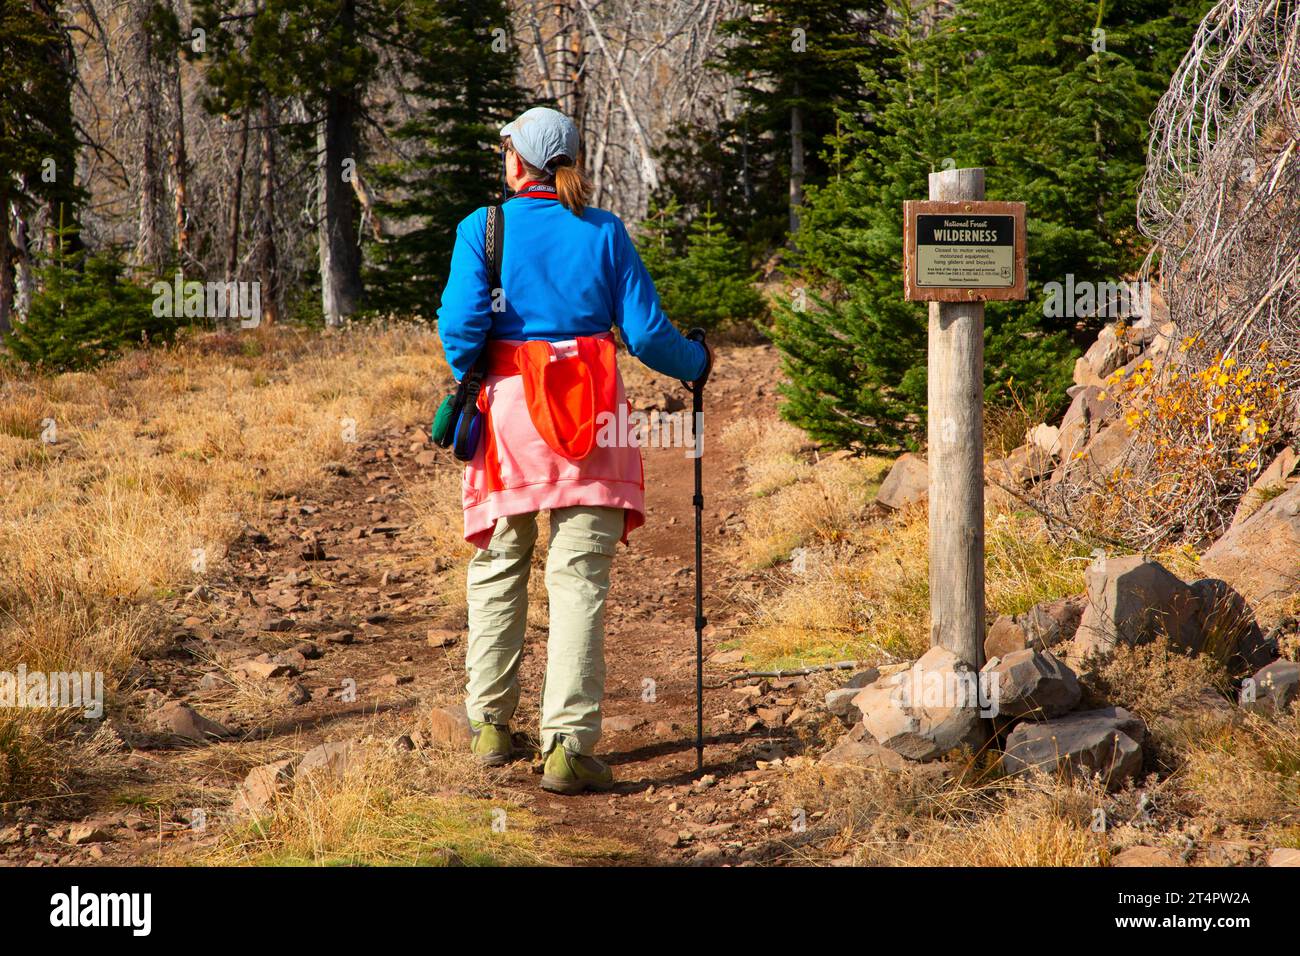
(963,251)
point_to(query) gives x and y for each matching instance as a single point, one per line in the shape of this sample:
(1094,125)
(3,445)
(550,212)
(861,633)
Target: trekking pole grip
(697,335)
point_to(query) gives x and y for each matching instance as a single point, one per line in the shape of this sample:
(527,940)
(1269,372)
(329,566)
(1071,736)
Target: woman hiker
(550,437)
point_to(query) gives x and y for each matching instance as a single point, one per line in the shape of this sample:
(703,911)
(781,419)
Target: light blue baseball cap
(542,135)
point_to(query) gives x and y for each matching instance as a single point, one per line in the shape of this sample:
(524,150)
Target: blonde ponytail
(573,188)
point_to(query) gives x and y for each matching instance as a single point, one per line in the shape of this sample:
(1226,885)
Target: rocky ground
(329,615)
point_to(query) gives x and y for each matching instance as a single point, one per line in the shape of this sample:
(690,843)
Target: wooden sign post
(959,251)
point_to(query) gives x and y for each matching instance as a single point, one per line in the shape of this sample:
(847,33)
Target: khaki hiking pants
(578,560)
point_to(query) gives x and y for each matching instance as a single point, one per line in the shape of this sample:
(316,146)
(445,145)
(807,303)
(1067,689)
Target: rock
(1261,556)
(260,788)
(1042,627)
(296,694)
(184,721)
(1107,353)
(1145,856)
(394,680)
(840,703)
(1085,374)
(1107,742)
(1226,627)
(80,834)
(862,752)
(265,668)
(441,637)
(1104,452)
(668,838)
(908,482)
(1046,439)
(292,659)
(863,678)
(1130,600)
(622,724)
(212,680)
(338,637)
(925,711)
(1275,687)
(727,657)
(1284,856)
(449,727)
(1271,481)
(1090,409)
(1024,465)
(333,759)
(1006,636)
(1029,683)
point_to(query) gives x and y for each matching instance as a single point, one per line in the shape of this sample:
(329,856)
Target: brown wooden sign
(963,251)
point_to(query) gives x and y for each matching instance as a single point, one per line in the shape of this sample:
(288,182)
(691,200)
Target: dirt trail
(362,615)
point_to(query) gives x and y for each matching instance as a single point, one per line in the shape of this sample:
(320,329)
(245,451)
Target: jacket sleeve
(465,314)
(641,321)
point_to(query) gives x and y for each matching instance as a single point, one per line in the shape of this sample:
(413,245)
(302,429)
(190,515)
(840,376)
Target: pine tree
(461,63)
(85,312)
(1056,114)
(38,138)
(709,285)
(796,63)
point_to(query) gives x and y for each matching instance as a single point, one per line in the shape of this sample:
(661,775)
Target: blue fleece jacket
(563,276)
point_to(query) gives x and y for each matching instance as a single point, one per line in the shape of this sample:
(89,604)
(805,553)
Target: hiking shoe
(571,773)
(491,743)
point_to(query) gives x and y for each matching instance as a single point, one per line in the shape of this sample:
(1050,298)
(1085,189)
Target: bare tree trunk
(6,261)
(337,147)
(180,165)
(236,201)
(267,263)
(539,52)
(340,260)
(568,59)
(148,243)
(25,278)
(631,115)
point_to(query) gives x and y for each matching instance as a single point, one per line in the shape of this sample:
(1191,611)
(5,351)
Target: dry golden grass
(397,808)
(869,597)
(1152,679)
(919,818)
(1248,772)
(156,462)
(795,501)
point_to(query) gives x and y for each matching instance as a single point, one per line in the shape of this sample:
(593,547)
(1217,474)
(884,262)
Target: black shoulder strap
(493,241)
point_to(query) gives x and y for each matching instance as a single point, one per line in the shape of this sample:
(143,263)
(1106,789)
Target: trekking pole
(697,414)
